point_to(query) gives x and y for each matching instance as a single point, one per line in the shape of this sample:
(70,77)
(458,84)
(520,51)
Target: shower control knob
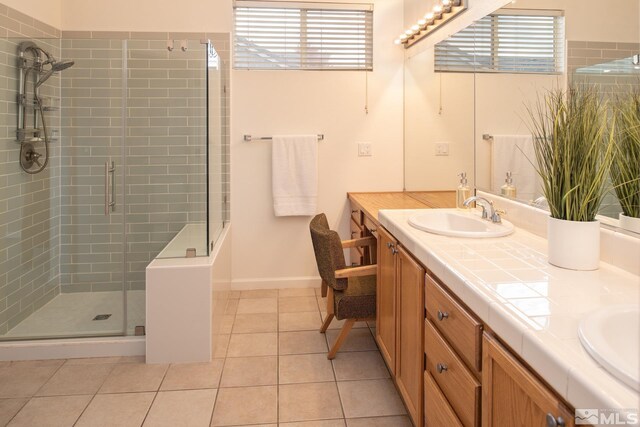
(35,158)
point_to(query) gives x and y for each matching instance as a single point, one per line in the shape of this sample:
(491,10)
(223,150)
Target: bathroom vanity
(469,328)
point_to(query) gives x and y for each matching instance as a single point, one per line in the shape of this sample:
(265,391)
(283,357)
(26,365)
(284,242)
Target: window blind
(302,37)
(512,42)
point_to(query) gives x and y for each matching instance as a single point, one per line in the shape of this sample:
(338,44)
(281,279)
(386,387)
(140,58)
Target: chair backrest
(328,249)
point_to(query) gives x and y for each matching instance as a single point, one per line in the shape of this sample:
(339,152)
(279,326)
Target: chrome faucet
(492,214)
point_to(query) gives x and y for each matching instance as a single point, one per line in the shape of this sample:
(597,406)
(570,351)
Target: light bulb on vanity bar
(437,11)
(429,18)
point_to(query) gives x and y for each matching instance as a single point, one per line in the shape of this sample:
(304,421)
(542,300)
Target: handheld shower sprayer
(42,65)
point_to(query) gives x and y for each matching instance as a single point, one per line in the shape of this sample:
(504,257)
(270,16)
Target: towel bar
(249,138)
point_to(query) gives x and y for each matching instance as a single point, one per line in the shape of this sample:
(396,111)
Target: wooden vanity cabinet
(409,333)
(400,319)
(448,369)
(386,298)
(513,396)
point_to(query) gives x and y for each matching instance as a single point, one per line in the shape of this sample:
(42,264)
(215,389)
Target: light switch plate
(442,148)
(364,149)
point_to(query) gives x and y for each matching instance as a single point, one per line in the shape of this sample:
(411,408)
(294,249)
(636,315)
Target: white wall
(270,251)
(147,15)
(47,11)
(439,109)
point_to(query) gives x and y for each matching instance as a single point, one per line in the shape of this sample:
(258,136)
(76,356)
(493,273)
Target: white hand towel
(295,175)
(515,154)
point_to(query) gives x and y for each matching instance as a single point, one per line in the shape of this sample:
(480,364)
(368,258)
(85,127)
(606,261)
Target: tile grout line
(224,363)
(278,360)
(155,395)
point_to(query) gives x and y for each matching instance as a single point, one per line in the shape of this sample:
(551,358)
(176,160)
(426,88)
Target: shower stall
(114,154)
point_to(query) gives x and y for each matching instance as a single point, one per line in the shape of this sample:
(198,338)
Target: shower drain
(102,317)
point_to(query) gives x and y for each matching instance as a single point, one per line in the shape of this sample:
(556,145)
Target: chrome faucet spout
(484,204)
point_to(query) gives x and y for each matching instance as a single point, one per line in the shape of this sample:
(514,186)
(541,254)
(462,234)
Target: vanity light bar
(442,12)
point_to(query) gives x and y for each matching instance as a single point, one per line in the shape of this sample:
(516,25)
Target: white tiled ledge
(533,306)
(617,247)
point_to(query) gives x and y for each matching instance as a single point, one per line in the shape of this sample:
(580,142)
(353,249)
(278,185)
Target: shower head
(55,67)
(61,65)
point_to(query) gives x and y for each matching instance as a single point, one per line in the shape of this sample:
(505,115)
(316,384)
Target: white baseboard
(275,283)
(72,348)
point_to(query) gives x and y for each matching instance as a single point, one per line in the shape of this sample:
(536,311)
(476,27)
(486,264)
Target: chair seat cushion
(358,301)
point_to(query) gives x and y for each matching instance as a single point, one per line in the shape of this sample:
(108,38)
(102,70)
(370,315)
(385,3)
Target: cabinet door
(409,333)
(386,298)
(513,396)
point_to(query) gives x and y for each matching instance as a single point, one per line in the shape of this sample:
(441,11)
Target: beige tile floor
(271,369)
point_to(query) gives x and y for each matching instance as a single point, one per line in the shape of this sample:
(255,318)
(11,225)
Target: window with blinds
(302,36)
(509,42)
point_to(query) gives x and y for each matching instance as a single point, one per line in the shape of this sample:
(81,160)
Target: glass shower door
(92,183)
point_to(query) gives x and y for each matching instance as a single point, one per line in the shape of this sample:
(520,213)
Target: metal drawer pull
(442,315)
(389,245)
(441,367)
(394,250)
(554,422)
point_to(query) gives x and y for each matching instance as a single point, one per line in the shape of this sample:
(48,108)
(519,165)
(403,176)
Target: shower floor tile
(72,315)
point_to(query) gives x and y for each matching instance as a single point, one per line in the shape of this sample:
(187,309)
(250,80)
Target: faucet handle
(495,218)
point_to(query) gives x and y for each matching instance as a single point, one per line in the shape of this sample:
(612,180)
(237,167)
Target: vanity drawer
(437,410)
(370,225)
(457,326)
(357,230)
(458,385)
(356,215)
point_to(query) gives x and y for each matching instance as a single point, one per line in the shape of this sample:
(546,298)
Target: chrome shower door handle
(109,194)
(106,188)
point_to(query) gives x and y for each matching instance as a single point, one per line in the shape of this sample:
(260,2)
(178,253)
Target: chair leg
(330,311)
(348,324)
(326,323)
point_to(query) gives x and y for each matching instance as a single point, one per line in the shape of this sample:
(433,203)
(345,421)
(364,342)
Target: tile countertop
(534,307)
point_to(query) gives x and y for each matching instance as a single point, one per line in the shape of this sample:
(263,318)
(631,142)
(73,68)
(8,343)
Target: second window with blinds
(302,36)
(508,41)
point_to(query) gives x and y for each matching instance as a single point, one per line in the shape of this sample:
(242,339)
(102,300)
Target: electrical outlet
(364,149)
(442,148)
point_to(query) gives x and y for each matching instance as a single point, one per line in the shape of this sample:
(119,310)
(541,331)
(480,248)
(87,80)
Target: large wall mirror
(467,98)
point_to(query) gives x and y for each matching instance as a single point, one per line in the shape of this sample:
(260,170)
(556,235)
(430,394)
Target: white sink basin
(611,336)
(458,223)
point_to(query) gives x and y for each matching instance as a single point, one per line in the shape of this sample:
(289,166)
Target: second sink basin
(458,223)
(611,336)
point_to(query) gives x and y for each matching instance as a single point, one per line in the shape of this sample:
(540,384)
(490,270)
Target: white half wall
(274,252)
(185,302)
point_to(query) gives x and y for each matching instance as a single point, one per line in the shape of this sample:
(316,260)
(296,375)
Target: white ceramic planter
(574,244)
(630,223)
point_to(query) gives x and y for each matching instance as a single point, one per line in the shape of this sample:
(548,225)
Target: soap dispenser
(508,189)
(463,192)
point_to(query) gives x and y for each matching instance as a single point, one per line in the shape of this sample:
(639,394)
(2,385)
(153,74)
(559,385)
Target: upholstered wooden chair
(350,291)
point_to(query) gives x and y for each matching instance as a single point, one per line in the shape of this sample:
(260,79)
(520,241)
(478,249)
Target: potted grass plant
(573,144)
(625,168)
